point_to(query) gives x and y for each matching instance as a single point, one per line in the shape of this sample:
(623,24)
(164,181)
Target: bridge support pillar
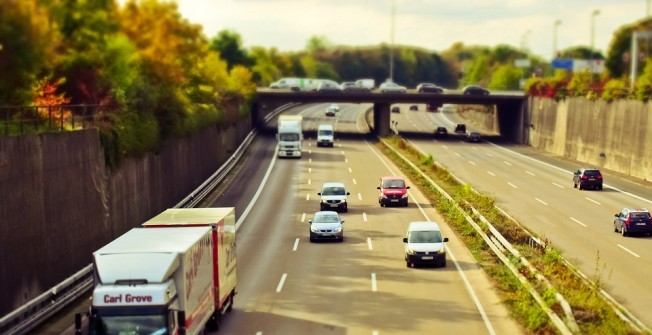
(381,119)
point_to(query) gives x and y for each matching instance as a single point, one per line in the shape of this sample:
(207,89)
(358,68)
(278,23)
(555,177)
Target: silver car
(326,225)
(391,87)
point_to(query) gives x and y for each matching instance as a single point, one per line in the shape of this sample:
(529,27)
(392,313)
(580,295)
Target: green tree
(27,49)
(505,77)
(317,43)
(229,45)
(643,88)
(580,84)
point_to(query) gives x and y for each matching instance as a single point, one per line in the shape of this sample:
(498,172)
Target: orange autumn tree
(49,104)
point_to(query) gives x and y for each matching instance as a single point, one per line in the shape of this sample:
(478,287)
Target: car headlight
(441,251)
(323,201)
(410,251)
(383,197)
(337,230)
(404,195)
(313,229)
(343,201)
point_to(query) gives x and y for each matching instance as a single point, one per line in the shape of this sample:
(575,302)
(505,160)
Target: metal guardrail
(20,120)
(38,310)
(498,244)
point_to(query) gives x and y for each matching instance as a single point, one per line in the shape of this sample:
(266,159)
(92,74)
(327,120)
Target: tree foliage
(229,45)
(27,49)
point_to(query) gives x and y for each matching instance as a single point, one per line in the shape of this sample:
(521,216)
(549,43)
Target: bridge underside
(513,121)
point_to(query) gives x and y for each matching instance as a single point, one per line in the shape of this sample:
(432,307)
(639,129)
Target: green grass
(592,313)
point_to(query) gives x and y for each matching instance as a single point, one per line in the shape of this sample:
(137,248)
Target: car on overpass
(352,87)
(391,87)
(429,88)
(475,90)
(328,86)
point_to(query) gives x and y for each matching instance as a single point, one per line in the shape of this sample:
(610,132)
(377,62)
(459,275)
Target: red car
(392,191)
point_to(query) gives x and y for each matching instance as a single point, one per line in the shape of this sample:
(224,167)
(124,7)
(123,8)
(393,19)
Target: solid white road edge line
(631,252)
(258,192)
(467,284)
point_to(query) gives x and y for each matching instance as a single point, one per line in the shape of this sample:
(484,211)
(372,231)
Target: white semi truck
(175,275)
(289,135)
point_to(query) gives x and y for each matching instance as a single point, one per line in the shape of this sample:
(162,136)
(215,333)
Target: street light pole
(391,43)
(595,13)
(554,38)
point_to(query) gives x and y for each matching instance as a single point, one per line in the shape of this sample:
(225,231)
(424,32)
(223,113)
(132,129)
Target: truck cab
(290,135)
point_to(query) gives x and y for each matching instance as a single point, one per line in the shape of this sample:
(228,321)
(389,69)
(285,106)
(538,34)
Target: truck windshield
(289,137)
(426,236)
(325,132)
(129,325)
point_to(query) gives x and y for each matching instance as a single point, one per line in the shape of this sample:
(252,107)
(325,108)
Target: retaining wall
(61,203)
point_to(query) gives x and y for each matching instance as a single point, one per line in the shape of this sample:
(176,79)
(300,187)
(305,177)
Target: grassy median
(592,313)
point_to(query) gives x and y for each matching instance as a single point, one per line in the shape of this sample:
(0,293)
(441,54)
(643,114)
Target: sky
(434,25)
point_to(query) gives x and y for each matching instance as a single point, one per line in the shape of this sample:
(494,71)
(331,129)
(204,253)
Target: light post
(554,38)
(595,13)
(391,43)
(524,42)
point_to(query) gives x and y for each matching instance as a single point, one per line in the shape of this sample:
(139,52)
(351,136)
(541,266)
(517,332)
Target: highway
(537,190)
(287,285)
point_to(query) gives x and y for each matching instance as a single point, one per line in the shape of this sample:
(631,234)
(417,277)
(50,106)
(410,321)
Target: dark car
(429,88)
(587,178)
(474,137)
(460,128)
(414,108)
(633,221)
(433,107)
(441,132)
(396,109)
(475,90)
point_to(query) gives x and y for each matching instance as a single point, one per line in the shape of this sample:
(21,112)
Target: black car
(587,178)
(475,90)
(429,88)
(632,221)
(460,128)
(396,109)
(414,108)
(441,132)
(474,137)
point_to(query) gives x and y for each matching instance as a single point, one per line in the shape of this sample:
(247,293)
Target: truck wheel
(228,309)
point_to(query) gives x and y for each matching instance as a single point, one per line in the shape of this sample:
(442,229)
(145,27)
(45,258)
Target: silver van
(325,135)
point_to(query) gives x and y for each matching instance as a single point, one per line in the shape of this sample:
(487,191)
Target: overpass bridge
(511,107)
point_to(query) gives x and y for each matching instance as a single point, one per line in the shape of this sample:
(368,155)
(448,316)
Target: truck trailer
(289,135)
(167,277)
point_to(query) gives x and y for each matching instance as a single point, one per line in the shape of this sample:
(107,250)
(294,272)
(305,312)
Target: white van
(424,244)
(325,135)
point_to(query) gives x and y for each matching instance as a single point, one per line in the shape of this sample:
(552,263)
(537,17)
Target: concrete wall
(616,136)
(61,203)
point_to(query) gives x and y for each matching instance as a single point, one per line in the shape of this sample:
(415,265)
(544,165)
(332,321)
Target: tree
(27,48)
(317,43)
(505,77)
(229,45)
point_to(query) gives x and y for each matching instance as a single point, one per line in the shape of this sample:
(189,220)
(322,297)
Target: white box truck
(175,275)
(289,135)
